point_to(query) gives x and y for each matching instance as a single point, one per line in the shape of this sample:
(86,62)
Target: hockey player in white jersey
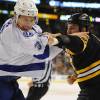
(23,48)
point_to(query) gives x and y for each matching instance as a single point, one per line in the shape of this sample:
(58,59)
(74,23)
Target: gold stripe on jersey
(93,70)
(89,76)
(84,39)
(83,36)
(89,67)
(70,52)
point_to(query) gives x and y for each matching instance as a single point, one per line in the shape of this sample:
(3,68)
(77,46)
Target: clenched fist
(71,79)
(52,40)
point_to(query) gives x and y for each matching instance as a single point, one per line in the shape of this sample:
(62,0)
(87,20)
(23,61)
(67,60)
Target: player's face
(72,28)
(25,23)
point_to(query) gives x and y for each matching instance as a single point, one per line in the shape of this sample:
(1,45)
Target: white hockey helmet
(26,7)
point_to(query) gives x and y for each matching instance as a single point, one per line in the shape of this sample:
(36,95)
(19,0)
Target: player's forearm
(72,43)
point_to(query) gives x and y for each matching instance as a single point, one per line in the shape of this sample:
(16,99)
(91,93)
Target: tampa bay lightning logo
(38,45)
(27,34)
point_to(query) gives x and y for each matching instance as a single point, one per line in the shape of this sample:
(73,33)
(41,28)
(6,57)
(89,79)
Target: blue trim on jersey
(44,55)
(28,34)
(6,24)
(23,68)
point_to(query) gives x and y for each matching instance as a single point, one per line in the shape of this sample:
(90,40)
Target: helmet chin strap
(16,18)
(83,29)
(36,20)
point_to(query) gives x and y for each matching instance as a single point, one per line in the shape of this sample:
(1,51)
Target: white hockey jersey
(25,53)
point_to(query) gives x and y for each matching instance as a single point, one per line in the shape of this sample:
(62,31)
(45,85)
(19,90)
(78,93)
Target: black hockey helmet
(82,20)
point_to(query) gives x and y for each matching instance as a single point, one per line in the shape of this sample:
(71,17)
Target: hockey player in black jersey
(84,48)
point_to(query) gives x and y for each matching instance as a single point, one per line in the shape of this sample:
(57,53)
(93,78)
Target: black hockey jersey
(85,51)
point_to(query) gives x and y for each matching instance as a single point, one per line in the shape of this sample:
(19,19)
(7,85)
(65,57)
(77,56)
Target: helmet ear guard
(84,20)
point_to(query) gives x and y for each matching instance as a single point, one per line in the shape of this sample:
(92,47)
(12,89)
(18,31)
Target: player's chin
(26,28)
